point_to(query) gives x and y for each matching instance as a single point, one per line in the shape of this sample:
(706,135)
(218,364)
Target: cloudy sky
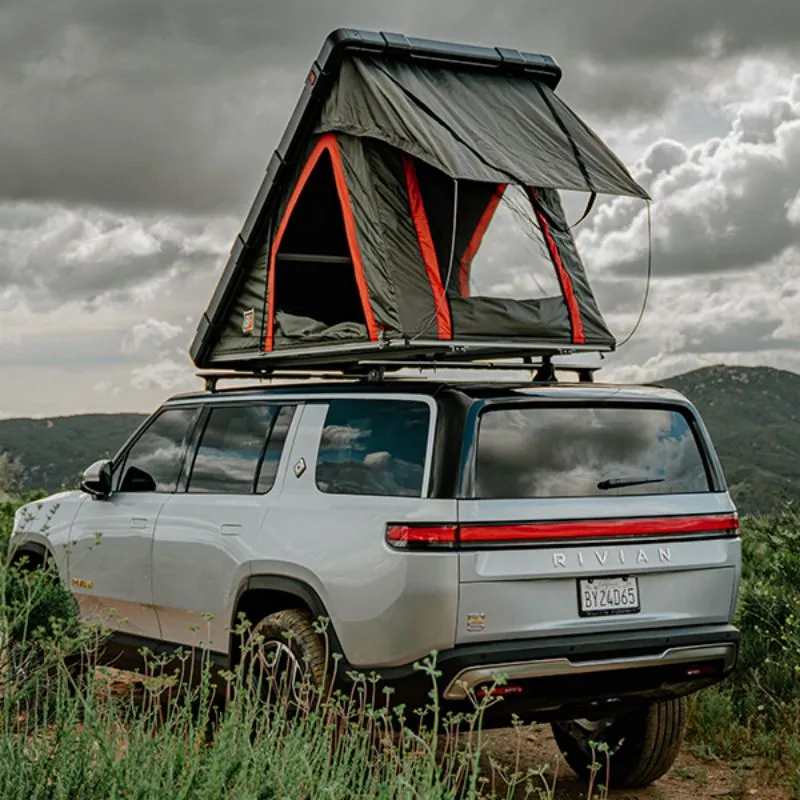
(135,133)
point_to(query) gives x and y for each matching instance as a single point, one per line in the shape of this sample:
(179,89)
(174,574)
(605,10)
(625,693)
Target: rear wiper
(618,483)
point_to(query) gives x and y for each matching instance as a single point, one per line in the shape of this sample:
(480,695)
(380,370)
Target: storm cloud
(135,134)
(176,106)
(726,204)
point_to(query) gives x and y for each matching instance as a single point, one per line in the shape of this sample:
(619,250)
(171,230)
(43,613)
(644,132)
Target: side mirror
(97,479)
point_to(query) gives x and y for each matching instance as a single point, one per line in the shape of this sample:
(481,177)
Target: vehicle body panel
(199,558)
(178,578)
(379,601)
(46,523)
(110,569)
(204,548)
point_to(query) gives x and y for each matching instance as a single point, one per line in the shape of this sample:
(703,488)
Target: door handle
(138,522)
(230,529)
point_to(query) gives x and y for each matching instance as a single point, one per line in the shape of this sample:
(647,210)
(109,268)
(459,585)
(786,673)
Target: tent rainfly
(365,235)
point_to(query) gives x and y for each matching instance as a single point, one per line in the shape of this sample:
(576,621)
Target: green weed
(756,712)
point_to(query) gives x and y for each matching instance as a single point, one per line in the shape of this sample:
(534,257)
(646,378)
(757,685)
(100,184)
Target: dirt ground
(689,779)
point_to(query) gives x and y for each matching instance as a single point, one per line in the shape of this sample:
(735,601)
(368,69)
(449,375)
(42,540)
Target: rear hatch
(593,514)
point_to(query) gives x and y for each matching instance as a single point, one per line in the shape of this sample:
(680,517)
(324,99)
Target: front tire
(641,745)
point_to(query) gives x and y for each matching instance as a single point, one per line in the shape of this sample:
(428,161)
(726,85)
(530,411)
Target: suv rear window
(587,451)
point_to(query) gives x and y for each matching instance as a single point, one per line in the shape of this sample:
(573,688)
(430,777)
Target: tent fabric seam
(575,149)
(567,289)
(352,237)
(477,238)
(427,249)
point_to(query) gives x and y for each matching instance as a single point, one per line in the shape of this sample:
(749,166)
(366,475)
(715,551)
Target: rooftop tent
(374,220)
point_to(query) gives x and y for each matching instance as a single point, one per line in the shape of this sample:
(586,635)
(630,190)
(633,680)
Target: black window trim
(711,464)
(268,440)
(200,429)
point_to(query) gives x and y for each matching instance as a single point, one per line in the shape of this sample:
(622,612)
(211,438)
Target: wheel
(287,661)
(641,746)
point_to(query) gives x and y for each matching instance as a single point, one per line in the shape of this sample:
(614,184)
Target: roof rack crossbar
(212,378)
(542,370)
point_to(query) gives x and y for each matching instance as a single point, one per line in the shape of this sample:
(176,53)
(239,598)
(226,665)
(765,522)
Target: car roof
(469,389)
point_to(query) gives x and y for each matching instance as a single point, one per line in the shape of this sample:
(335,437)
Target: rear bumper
(471,678)
(569,676)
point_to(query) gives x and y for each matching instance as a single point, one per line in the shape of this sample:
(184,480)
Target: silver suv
(576,538)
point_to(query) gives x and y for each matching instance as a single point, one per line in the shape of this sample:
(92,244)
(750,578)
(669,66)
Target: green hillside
(54,452)
(753,414)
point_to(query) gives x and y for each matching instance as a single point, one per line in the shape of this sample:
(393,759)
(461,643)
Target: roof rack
(542,370)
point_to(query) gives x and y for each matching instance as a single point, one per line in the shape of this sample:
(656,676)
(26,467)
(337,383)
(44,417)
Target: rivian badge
(476,622)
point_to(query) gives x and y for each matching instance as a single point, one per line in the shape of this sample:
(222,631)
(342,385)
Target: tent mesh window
(507,255)
(499,249)
(494,252)
(315,285)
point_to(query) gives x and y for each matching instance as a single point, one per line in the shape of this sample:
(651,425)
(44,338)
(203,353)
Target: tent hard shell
(364,238)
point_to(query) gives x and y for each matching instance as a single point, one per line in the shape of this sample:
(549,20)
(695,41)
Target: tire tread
(652,741)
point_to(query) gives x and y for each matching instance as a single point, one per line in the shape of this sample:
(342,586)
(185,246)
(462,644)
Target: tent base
(351,355)
(542,371)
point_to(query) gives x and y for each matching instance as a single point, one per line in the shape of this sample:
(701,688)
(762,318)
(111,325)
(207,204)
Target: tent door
(316,283)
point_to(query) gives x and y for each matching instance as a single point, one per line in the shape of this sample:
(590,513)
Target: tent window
(512,259)
(499,249)
(314,272)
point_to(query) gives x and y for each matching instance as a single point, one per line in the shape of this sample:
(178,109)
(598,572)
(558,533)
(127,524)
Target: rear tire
(642,745)
(287,660)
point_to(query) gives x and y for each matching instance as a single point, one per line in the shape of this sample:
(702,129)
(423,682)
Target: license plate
(606,596)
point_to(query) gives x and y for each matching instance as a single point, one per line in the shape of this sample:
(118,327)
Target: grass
(57,742)
(69,735)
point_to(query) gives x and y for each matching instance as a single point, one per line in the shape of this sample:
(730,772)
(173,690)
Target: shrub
(166,740)
(757,710)
(8,508)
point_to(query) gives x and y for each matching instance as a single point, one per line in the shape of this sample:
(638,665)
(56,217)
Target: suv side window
(240,445)
(374,447)
(153,463)
(230,448)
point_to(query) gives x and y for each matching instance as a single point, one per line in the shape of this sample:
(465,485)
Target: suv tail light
(409,536)
(448,536)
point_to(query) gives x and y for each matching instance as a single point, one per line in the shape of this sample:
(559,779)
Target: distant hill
(753,414)
(54,452)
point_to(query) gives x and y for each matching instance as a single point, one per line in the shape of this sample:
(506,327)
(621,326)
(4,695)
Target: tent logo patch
(248,321)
